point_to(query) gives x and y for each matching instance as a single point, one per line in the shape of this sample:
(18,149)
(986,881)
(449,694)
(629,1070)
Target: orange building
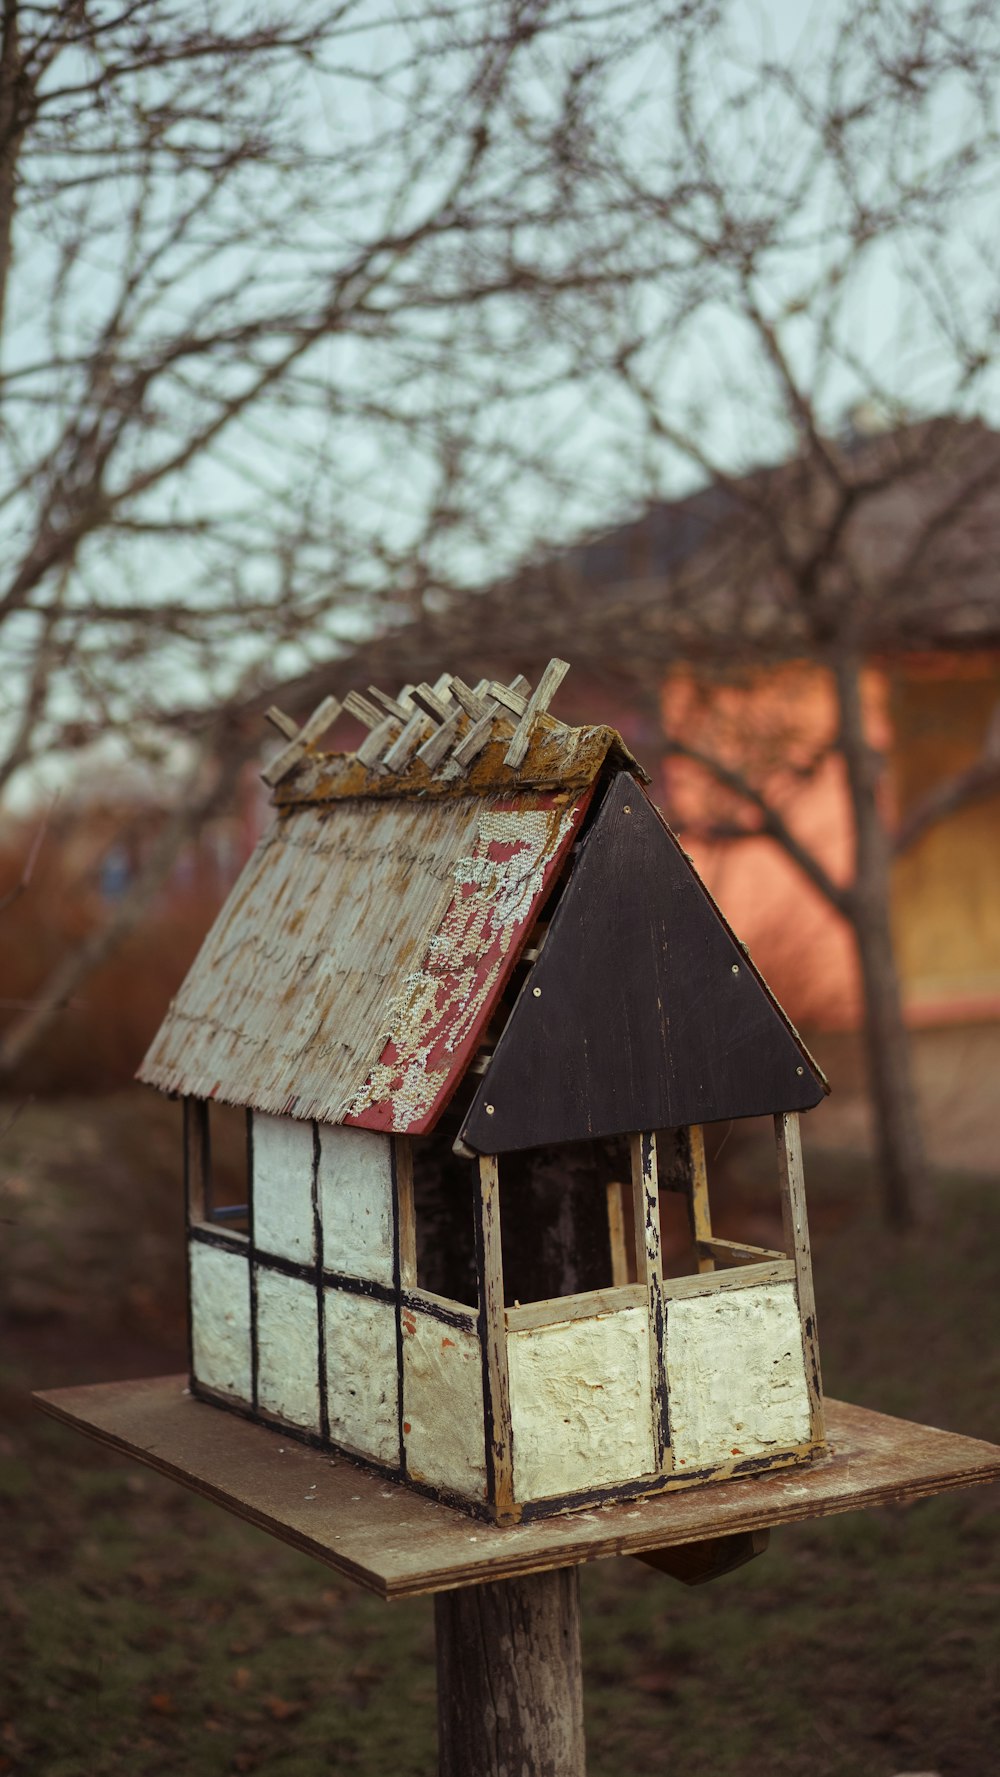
(930,714)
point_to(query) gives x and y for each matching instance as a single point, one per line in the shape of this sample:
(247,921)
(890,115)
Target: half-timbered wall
(297,1318)
(220,1319)
(443,1405)
(313,1319)
(355,1195)
(580,1395)
(735,1375)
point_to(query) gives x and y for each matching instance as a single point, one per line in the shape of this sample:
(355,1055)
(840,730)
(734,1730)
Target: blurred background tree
(342,332)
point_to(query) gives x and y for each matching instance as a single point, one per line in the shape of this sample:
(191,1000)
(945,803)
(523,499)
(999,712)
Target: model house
(476,1008)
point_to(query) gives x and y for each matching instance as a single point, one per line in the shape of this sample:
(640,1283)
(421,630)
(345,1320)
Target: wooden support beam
(738,1252)
(510,1678)
(620,1273)
(493,1340)
(286,761)
(736,1277)
(699,1210)
(796,1227)
(538,702)
(588,1305)
(649,1271)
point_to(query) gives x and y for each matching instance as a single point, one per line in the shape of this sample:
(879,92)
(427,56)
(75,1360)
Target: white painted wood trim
(741,1277)
(589,1305)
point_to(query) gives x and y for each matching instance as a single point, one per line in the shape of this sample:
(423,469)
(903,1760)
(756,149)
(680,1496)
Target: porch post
(796,1237)
(646,1205)
(492,1327)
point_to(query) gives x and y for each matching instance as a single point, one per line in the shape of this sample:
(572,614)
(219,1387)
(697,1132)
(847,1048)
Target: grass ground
(145,1632)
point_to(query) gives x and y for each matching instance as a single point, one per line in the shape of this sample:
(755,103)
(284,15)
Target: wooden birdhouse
(476,1006)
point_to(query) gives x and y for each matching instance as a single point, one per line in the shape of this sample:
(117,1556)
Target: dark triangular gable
(643,1011)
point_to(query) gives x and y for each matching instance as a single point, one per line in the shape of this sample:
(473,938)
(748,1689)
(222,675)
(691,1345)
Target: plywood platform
(400,1545)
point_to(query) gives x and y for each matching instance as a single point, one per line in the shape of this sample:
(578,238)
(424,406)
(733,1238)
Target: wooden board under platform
(400,1545)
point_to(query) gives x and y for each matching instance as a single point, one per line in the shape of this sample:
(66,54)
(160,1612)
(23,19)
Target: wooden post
(796,1226)
(649,1270)
(700,1210)
(492,1324)
(510,1683)
(621,1270)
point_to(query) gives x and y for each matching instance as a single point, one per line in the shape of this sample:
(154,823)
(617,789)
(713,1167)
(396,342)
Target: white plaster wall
(443,1429)
(362,1390)
(581,1404)
(735,1375)
(288,1348)
(220,1319)
(355,1185)
(282,1187)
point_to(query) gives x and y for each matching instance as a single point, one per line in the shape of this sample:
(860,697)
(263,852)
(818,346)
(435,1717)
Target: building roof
(353,972)
(710,579)
(361,952)
(643,1011)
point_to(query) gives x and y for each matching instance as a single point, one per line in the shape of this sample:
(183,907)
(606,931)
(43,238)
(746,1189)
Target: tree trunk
(510,1682)
(899,1143)
(12,98)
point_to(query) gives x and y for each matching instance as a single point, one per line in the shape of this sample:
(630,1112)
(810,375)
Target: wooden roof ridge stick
(401,706)
(284,724)
(410,738)
(365,711)
(538,702)
(472,700)
(377,741)
(321,719)
(510,696)
(444,738)
(500,699)
(434,700)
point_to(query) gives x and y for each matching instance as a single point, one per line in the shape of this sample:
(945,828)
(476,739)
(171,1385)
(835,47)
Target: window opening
(444,1189)
(443,1186)
(228,1192)
(218,1165)
(555,1226)
(740,1221)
